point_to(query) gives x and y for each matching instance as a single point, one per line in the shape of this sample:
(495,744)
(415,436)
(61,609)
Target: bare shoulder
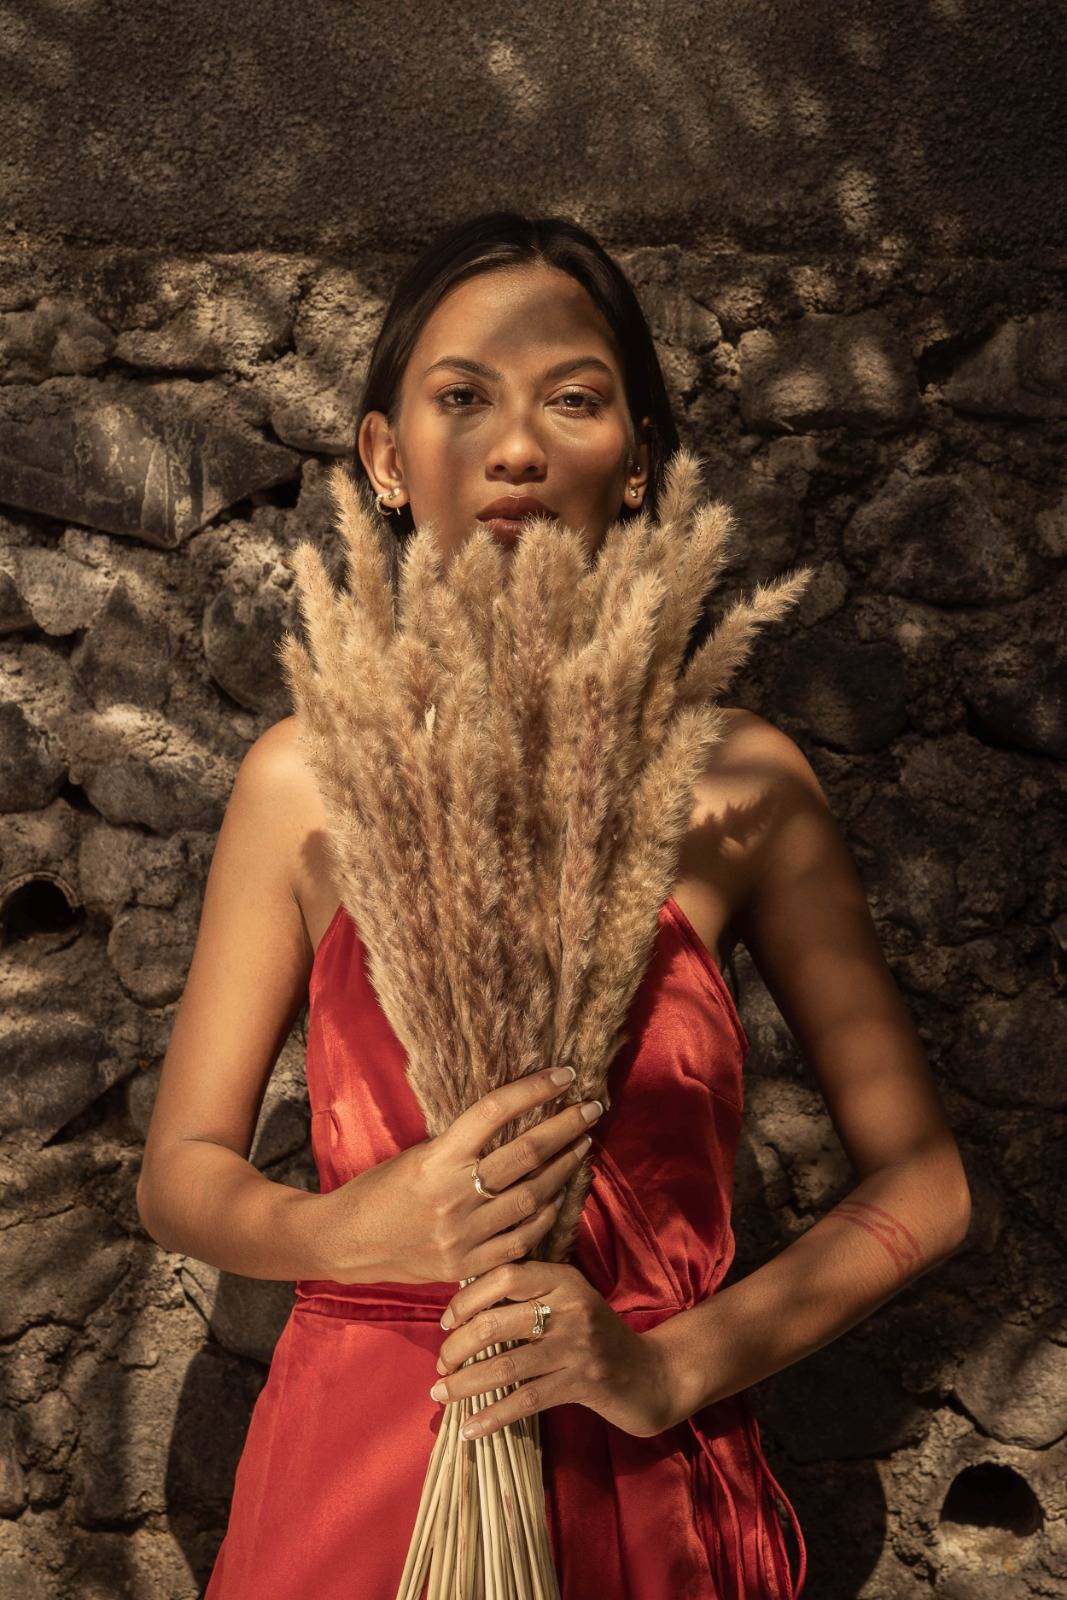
(755,775)
(781,824)
(275,801)
(278,749)
(755,799)
(754,748)
(285,792)
(275,767)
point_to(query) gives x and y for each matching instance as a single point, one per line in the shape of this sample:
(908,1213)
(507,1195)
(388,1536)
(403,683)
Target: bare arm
(197,1192)
(807,925)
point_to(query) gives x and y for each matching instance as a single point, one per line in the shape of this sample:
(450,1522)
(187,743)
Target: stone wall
(166,422)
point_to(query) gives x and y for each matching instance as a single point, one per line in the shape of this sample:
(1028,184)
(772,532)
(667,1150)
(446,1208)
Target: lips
(513,507)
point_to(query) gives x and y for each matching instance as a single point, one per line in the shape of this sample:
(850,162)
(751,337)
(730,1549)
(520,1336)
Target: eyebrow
(479,370)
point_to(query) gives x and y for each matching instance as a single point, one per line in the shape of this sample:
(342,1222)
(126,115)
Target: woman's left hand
(586,1355)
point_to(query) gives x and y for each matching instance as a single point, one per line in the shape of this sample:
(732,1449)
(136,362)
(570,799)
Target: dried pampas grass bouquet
(506,744)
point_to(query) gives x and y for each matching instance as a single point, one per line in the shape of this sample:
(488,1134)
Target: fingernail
(591,1110)
(558,1201)
(583,1146)
(447,1318)
(439,1392)
(563,1074)
(470,1430)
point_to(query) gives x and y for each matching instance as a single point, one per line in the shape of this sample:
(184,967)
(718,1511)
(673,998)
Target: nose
(517,454)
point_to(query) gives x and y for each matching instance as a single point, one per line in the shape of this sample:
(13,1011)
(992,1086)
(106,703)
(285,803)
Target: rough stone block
(938,539)
(1020,371)
(152,461)
(828,371)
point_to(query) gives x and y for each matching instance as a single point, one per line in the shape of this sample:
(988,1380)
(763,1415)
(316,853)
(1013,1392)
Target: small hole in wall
(33,905)
(988,1510)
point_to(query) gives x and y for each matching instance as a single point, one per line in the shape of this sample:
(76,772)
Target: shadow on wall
(863,126)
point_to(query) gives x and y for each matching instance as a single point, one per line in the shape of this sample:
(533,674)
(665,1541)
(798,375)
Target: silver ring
(541,1315)
(486,1194)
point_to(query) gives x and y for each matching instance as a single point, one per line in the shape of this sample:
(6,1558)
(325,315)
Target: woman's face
(487,410)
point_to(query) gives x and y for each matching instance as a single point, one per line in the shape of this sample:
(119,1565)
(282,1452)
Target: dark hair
(495,239)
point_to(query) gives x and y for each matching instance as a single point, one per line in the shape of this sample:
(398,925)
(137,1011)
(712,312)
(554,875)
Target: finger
(496,1325)
(538,1394)
(527,1152)
(512,1280)
(524,1198)
(472,1129)
(513,1243)
(483,1375)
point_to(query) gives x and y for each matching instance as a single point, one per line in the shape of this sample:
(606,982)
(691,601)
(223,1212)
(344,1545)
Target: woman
(515,361)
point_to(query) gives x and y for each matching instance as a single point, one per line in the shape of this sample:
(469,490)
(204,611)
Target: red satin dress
(329,1481)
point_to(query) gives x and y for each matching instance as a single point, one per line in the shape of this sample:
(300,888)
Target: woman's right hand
(417,1217)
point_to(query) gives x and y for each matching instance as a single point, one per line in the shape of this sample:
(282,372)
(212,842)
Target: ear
(639,474)
(377,446)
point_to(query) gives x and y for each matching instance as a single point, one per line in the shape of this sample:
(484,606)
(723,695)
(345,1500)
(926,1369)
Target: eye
(591,403)
(457,388)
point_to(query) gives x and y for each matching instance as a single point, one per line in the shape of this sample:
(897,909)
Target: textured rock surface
(827,371)
(846,410)
(155,461)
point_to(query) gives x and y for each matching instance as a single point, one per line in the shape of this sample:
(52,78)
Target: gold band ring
(486,1194)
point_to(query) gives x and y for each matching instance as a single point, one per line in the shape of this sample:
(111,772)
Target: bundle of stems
(506,743)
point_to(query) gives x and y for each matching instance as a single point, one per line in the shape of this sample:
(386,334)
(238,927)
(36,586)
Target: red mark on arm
(896,1240)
